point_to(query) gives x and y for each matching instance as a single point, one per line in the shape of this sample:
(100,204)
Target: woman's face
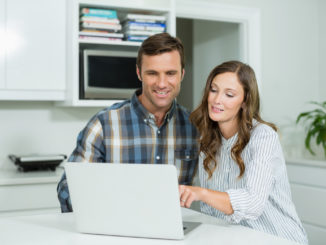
(225,99)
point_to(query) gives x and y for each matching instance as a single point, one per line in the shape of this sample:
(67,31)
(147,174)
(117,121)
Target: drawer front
(310,203)
(308,175)
(316,235)
(26,197)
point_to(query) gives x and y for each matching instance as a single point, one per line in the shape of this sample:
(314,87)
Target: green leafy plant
(316,122)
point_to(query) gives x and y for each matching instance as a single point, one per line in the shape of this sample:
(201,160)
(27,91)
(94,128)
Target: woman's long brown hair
(210,134)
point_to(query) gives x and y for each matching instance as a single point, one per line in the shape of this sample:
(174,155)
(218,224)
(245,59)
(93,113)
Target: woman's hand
(189,194)
(216,199)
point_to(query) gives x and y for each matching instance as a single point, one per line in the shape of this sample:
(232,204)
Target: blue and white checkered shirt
(126,133)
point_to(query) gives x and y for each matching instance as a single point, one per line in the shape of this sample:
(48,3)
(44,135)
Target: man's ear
(138,73)
(183,74)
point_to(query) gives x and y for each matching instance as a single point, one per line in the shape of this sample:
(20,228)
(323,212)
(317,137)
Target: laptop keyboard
(189,226)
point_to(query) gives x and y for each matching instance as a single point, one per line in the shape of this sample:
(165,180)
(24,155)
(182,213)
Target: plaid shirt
(126,133)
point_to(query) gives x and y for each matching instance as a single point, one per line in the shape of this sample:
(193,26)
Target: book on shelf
(101,23)
(105,26)
(136,38)
(90,38)
(147,24)
(96,33)
(99,19)
(144,28)
(109,13)
(145,18)
(141,32)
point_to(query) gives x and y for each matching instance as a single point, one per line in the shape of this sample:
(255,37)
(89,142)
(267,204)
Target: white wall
(219,44)
(39,127)
(322,49)
(290,55)
(207,44)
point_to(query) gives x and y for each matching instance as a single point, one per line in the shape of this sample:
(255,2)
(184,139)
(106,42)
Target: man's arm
(90,148)
(63,195)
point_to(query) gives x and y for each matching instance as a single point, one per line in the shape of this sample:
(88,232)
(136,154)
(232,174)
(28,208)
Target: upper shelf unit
(75,43)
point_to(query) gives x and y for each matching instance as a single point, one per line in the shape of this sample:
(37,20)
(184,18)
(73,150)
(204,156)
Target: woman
(241,169)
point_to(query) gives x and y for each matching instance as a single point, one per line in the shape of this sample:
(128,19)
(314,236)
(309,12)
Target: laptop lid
(137,200)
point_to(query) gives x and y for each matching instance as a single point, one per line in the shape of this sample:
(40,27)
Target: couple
(241,167)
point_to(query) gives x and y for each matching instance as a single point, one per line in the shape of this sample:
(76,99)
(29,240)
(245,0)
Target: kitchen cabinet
(29,192)
(33,63)
(308,185)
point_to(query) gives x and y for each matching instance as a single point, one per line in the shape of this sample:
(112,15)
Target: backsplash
(39,127)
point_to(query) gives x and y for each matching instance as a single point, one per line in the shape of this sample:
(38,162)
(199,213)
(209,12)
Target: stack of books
(100,24)
(138,27)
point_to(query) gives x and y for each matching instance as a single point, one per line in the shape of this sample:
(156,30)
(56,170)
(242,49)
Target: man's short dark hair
(159,44)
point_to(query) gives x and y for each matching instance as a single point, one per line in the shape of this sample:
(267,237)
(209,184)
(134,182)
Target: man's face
(161,77)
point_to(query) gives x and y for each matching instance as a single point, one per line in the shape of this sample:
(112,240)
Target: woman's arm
(263,155)
(216,199)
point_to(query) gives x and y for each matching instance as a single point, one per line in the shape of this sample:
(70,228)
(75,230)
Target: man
(150,127)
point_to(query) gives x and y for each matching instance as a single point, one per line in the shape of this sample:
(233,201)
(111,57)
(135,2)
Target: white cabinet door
(15,198)
(36,57)
(308,185)
(2,41)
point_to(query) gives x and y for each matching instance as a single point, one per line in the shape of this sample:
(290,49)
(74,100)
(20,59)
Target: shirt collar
(142,111)
(228,143)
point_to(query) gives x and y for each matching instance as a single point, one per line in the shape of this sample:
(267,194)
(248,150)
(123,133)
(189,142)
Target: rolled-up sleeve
(63,195)
(249,202)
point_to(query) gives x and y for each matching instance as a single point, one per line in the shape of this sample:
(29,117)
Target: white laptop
(136,200)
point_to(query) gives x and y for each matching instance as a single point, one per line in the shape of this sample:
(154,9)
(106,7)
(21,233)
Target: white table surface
(58,229)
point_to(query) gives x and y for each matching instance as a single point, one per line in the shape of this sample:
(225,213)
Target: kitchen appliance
(35,162)
(108,74)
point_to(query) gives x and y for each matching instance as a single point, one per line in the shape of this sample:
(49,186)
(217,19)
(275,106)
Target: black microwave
(108,74)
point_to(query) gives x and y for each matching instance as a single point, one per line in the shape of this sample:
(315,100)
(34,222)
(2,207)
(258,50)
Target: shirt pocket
(186,161)
(186,154)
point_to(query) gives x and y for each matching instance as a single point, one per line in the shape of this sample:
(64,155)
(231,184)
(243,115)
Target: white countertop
(59,229)
(15,177)
(306,162)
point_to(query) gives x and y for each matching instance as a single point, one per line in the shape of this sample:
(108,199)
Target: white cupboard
(33,58)
(308,185)
(29,192)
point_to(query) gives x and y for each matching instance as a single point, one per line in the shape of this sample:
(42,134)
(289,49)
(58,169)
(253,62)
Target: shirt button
(158,158)
(145,120)
(158,131)
(187,157)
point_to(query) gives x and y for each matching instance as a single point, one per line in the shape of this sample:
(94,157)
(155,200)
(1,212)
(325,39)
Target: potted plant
(316,125)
